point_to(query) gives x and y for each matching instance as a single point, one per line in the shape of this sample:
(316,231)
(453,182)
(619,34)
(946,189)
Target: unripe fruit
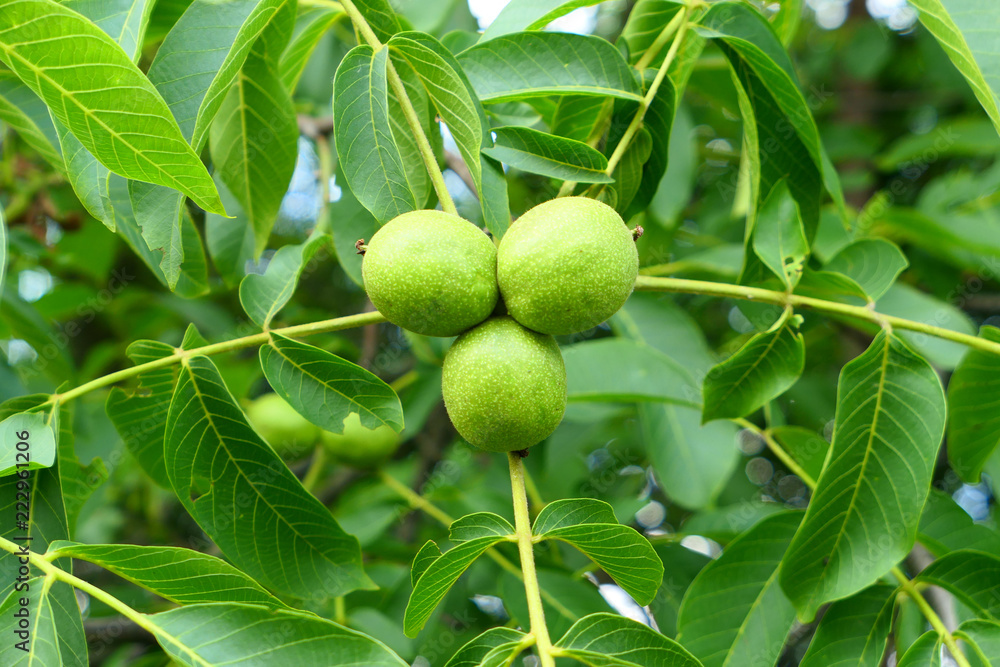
(567,265)
(504,385)
(359,446)
(289,433)
(431,272)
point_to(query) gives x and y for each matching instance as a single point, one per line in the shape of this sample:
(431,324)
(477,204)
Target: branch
(657,284)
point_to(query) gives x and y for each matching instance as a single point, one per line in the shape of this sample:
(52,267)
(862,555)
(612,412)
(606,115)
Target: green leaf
(380,17)
(889,423)
(480,524)
(417,177)
(230,241)
(680,565)
(3,250)
(246,500)
(78,481)
(628,174)
(425,556)
(325,388)
(778,238)
(254,143)
(24,111)
(693,461)
(546,154)
(201,56)
(853,631)
(925,652)
(872,263)
(760,371)
(537,64)
(735,612)
(438,578)
(124,20)
(946,527)
(495,643)
(961,28)
(645,22)
(310,26)
(179,575)
(88,177)
(140,416)
(971,576)
(785,143)
(125,124)
(590,526)
(521,15)
(241,635)
(368,155)
(566,598)
(974,426)
(576,116)
(56,637)
(615,369)
(446,86)
(610,640)
(39,451)
(985,639)
(808,448)
(263,296)
(159,214)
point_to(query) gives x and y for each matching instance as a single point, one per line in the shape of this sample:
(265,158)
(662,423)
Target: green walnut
(432,273)
(504,385)
(359,446)
(567,265)
(290,434)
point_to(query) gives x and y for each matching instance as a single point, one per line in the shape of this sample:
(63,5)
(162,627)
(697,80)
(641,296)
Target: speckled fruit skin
(504,385)
(567,265)
(359,446)
(432,273)
(289,433)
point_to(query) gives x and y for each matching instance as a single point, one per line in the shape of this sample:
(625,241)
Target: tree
(770,452)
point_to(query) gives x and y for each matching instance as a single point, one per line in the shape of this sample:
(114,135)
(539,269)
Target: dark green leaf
(369,158)
(890,419)
(158,213)
(763,369)
(609,640)
(325,388)
(959,25)
(246,500)
(55,632)
(263,296)
(230,241)
(438,578)
(254,143)
(778,238)
(125,124)
(619,550)
(124,20)
(179,575)
(549,155)
(536,64)
(984,636)
(853,631)
(872,263)
(622,370)
(680,567)
(925,652)
(140,417)
(427,555)
(735,610)
(244,635)
(971,576)
(480,524)
(974,424)
(22,110)
(808,448)
(499,642)
(946,527)
(310,26)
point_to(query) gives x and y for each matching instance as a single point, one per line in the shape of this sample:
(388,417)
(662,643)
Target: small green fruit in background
(504,385)
(290,434)
(359,446)
(567,265)
(431,272)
